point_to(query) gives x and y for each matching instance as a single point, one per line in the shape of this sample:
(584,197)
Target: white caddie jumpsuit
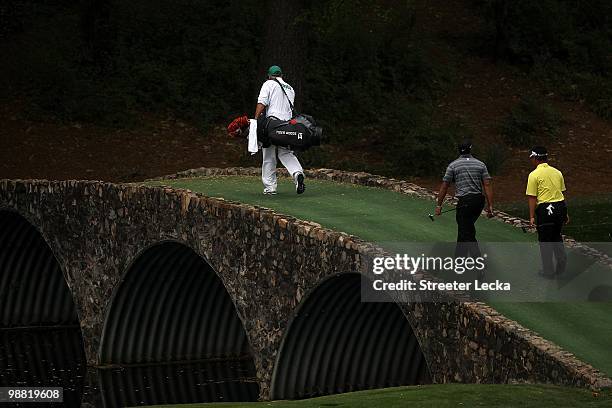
(277,105)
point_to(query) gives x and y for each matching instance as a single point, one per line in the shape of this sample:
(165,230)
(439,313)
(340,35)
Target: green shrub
(64,94)
(423,150)
(186,58)
(565,43)
(365,70)
(574,32)
(597,91)
(316,157)
(594,89)
(198,60)
(530,122)
(495,156)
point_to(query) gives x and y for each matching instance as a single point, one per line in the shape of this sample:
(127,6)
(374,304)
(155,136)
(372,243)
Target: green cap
(275,70)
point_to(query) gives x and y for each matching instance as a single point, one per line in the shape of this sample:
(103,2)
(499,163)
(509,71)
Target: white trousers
(268,167)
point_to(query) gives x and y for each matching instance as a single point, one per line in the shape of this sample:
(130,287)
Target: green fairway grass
(444,396)
(384,216)
(373,214)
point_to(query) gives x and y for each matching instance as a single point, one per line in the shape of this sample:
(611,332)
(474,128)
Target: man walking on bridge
(547,211)
(276,98)
(472,182)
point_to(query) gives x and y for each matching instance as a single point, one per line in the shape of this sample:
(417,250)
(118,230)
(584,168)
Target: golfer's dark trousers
(550,218)
(469,209)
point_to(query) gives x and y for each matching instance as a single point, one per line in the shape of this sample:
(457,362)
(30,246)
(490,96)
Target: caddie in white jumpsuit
(273,100)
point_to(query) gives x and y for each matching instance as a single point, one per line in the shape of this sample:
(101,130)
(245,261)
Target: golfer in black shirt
(472,181)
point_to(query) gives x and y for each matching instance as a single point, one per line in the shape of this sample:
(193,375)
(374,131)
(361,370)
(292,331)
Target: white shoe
(269,192)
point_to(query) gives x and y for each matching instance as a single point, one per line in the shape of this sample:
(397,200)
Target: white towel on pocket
(253,145)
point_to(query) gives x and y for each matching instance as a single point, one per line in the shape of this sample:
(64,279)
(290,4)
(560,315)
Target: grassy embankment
(443,396)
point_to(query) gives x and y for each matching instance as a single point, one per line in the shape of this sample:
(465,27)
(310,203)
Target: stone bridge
(152,274)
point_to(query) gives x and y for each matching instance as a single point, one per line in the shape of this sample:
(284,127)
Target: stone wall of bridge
(269,264)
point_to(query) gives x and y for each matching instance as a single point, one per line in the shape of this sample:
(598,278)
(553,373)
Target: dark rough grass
(446,395)
(385,217)
(590,217)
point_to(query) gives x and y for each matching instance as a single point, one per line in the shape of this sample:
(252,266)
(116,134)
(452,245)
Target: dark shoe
(300,184)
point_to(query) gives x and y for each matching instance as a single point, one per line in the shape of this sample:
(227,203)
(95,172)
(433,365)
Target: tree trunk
(500,10)
(284,42)
(96,29)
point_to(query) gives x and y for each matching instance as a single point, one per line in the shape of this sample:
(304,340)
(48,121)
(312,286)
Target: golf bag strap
(287,96)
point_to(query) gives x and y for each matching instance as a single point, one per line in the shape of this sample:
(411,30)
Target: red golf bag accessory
(238,127)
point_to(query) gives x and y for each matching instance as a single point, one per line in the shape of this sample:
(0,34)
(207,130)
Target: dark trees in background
(11,13)
(578,32)
(566,43)
(356,65)
(107,61)
(17,16)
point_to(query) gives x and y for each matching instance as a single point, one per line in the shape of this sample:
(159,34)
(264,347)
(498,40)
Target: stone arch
(335,343)
(39,324)
(171,306)
(33,290)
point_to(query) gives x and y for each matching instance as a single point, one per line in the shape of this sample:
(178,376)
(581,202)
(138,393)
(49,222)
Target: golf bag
(297,134)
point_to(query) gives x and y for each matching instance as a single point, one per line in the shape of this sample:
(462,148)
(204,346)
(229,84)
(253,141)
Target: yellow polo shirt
(546,184)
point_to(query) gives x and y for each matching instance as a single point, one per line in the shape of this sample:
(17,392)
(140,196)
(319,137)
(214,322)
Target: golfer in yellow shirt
(547,211)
